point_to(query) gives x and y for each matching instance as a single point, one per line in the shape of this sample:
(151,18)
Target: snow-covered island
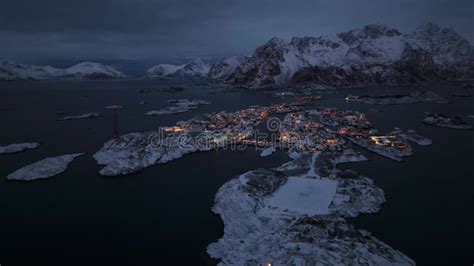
(373,54)
(44,169)
(181,106)
(412,97)
(85,70)
(274,217)
(440,120)
(18,147)
(83,116)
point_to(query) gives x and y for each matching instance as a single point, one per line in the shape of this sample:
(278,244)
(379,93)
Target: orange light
(331,141)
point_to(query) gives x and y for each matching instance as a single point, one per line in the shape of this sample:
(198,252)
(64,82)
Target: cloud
(167,29)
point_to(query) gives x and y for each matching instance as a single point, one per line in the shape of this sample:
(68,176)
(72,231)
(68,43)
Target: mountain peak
(196,68)
(93,70)
(197,61)
(433,31)
(428,28)
(370,54)
(371,31)
(276,41)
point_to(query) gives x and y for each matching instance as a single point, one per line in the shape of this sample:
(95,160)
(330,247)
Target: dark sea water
(163,213)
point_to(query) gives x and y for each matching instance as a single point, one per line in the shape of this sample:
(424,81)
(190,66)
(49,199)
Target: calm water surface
(163,213)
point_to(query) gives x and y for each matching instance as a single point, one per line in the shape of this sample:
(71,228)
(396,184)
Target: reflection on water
(164,211)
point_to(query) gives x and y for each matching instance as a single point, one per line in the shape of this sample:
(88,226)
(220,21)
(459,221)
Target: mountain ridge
(369,55)
(85,70)
(195,69)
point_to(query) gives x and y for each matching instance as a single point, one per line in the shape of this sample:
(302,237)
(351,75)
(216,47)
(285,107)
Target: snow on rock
(270,217)
(349,158)
(18,147)
(440,120)
(128,154)
(132,152)
(294,155)
(181,106)
(83,116)
(43,169)
(411,135)
(357,195)
(445,44)
(412,97)
(168,111)
(194,69)
(85,70)
(224,68)
(267,152)
(163,70)
(368,55)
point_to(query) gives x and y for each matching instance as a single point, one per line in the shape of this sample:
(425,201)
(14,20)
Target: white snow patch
(301,196)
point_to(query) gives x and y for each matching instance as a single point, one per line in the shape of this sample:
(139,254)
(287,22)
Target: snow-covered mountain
(90,70)
(12,71)
(369,55)
(194,69)
(225,68)
(86,70)
(163,70)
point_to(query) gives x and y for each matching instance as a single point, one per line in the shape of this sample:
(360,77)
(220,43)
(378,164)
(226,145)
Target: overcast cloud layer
(175,30)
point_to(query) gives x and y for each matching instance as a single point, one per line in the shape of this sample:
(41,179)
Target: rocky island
(83,116)
(412,97)
(181,106)
(18,147)
(440,120)
(274,217)
(44,169)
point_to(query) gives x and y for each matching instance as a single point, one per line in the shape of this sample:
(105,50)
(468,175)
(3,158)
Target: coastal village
(289,126)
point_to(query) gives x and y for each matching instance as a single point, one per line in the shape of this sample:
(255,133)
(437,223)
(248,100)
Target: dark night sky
(174,30)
